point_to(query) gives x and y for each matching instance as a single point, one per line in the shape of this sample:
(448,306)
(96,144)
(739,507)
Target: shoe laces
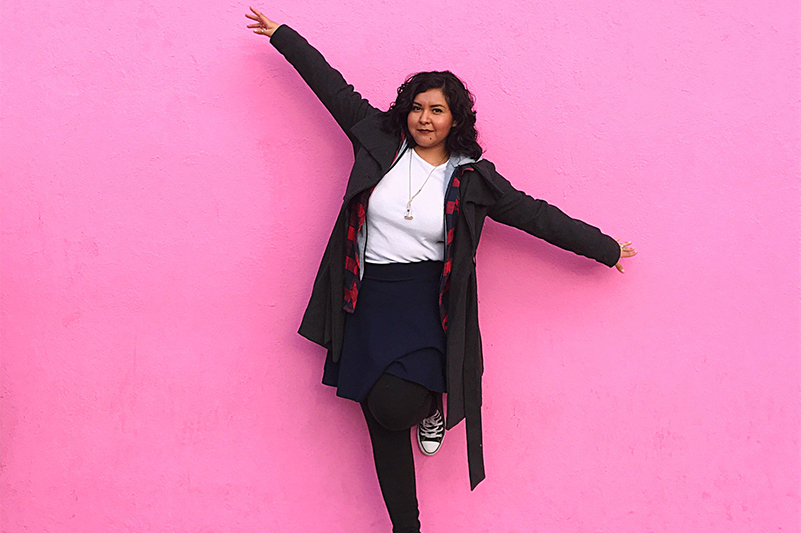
(432,427)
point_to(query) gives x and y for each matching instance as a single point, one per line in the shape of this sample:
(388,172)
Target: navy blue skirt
(395,328)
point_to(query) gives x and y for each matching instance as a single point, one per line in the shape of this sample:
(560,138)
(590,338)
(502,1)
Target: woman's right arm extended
(345,104)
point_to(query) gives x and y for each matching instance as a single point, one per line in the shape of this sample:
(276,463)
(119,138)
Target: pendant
(408,215)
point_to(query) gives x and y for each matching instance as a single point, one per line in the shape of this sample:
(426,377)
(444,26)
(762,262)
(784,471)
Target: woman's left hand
(626,250)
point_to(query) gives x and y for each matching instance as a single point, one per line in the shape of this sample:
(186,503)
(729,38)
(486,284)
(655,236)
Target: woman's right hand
(263,26)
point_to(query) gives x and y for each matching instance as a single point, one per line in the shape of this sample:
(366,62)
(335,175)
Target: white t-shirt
(391,238)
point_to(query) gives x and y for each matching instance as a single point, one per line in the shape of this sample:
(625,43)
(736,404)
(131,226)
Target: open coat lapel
(381,146)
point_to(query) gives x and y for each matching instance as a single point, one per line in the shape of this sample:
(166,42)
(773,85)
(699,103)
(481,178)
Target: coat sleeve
(539,218)
(345,104)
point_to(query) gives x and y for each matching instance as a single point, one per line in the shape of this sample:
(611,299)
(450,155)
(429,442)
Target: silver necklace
(408,215)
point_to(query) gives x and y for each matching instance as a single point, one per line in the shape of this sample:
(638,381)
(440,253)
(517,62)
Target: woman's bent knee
(398,404)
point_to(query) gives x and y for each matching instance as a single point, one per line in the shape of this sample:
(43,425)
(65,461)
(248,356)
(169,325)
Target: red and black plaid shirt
(358,213)
(356,218)
(451,212)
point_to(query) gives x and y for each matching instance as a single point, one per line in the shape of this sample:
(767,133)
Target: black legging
(392,407)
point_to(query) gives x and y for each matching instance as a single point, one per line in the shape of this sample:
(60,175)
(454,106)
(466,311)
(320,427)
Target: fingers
(625,251)
(263,26)
(258,17)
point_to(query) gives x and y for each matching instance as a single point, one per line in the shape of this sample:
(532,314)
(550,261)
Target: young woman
(394,301)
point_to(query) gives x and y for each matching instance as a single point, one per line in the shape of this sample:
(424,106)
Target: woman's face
(430,119)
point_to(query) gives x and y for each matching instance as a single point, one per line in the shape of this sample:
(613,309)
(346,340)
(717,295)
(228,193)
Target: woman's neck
(432,156)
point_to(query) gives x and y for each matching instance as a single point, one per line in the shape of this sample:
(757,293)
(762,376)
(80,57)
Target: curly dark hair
(462,138)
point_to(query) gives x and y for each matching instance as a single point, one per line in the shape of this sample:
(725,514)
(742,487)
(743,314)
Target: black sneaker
(431,431)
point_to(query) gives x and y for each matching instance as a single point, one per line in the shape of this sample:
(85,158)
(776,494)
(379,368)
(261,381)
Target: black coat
(483,193)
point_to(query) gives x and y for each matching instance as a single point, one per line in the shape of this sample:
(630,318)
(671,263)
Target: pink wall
(168,184)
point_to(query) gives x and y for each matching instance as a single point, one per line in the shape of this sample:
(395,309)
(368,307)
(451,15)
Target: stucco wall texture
(168,185)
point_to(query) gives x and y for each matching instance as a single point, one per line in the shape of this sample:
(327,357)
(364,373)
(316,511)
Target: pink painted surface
(168,184)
